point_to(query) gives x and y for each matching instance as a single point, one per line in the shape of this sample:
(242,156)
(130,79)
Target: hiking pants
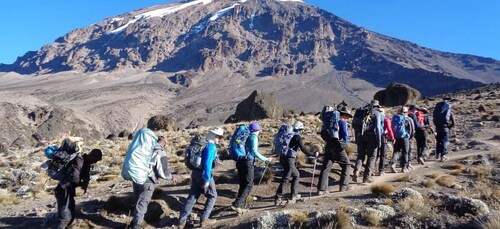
(402,145)
(367,147)
(334,152)
(382,154)
(289,171)
(245,175)
(442,141)
(195,191)
(421,137)
(142,195)
(65,206)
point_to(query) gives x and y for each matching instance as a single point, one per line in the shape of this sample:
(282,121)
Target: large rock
(162,122)
(461,205)
(397,94)
(259,105)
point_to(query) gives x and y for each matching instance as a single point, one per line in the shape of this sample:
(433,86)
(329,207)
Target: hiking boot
(405,170)
(393,168)
(239,210)
(344,188)
(355,176)
(444,158)
(320,193)
(367,180)
(381,173)
(207,222)
(278,201)
(181,225)
(296,197)
(421,160)
(409,168)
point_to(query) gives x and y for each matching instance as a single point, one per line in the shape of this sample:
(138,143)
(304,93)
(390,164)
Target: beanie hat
(254,126)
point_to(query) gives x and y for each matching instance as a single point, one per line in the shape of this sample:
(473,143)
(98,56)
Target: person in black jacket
(290,165)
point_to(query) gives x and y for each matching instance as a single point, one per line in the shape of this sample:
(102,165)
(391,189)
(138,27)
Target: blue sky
(459,26)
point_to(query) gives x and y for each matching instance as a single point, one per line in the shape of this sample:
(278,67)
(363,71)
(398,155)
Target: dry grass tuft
(445,181)
(388,202)
(405,178)
(372,218)
(492,221)
(225,178)
(453,166)
(433,175)
(343,219)
(456,172)
(413,205)
(297,219)
(495,157)
(351,149)
(428,183)
(268,176)
(481,173)
(9,199)
(382,189)
(301,159)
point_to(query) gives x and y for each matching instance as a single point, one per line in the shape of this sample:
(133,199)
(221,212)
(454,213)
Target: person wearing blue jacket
(335,152)
(245,167)
(202,182)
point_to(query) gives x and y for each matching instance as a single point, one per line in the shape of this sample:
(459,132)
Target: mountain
(253,38)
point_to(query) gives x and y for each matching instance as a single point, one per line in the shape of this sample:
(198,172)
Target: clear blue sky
(459,26)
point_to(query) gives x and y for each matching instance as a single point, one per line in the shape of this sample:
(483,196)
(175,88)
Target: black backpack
(192,155)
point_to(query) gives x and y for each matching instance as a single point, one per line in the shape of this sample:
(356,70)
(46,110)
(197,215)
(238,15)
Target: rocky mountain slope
(461,193)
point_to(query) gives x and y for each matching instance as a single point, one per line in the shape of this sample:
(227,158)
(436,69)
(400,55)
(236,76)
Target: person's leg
(295,176)
(371,153)
(326,168)
(194,193)
(343,159)
(64,216)
(395,155)
(446,135)
(362,148)
(405,159)
(211,194)
(383,156)
(242,177)
(419,137)
(144,194)
(439,142)
(287,173)
(240,202)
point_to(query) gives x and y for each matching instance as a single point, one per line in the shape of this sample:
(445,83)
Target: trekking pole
(261,177)
(312,180)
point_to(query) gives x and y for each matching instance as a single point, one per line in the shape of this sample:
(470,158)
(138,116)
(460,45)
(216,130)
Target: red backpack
(420,118)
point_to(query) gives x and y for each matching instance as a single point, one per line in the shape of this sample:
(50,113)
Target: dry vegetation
(382,189)
(445,181)
(297,219)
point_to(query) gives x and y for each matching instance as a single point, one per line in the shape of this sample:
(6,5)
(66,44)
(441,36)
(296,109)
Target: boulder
(124,134)
(461,206)
(397,94)
(162,122)
(259,105)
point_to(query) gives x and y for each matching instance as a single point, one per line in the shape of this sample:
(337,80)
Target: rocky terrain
(460,193)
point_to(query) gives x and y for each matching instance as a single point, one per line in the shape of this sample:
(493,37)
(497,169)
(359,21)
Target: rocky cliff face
(253,38)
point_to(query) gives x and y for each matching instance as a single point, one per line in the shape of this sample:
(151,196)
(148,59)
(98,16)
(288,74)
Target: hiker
(202,181)
(421,122)
(66,188)
(245,167)
(289,163)
(93,157)
(370,139)
(401,125)
(335,152)
(386,137)
(443,121)
(158,168)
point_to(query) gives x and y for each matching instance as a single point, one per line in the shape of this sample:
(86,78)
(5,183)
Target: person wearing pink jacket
(387,136)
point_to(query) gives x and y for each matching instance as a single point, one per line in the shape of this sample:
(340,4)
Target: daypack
(399,126)
(192,155)
(420,118)
(282,141)
(410,126)
(137,161)
(369,124)
(357,120)
(441,114)
(330,120)
(57,165)
(237,149)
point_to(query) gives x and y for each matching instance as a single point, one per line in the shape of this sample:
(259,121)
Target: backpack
(357,120)
(399,126)
(282,141)
(330,120)
(410,126)
(441,114)
(420,118)
(192,155)
(369,124)
(138,158)
(237,149)
(57,165)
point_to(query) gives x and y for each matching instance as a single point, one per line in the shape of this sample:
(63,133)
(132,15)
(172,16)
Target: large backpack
(330,120)
(399,126)
(369,124)
(357,120)
(138,159)
(237,149)
(192,155)
(56,166)
(282,141)
(441,114)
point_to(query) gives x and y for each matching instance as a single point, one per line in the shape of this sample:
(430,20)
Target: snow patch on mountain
(201,25)
(159,13)
(290,1)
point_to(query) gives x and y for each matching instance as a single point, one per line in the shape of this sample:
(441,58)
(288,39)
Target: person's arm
(161,165)
(388,126)
(452,121)
(254,147)
(207,158)
(378,128)
(343,131)
(298,140)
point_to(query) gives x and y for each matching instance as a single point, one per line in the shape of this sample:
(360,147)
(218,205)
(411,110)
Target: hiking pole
(260,181)
(312,180)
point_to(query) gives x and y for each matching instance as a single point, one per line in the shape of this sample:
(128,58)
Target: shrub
(433,175)
(297,219)
(445,181)
(405,178)
(490,222)
(453,166)
(428,183)
(480,173)
(371,217)
(456,172)
(343,219)
(382,189)
(9,199)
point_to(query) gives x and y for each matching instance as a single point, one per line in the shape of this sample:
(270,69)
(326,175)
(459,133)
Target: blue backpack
(282,141)
(330,120)
(399,126)
(237,144)
(441,114)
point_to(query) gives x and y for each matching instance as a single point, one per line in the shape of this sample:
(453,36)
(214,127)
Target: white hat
(217,131)
(298,125)
(404,109)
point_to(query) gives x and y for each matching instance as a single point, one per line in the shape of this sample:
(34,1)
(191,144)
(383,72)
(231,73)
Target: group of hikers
(146,160)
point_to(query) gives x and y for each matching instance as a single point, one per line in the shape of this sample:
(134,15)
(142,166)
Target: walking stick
(261,177)
(312,180)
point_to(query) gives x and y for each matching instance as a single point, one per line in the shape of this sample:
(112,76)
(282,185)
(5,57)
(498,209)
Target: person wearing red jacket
(387,136)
